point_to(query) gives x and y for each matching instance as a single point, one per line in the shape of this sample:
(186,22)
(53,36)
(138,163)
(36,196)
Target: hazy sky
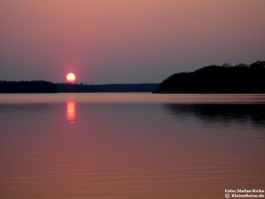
(119,41)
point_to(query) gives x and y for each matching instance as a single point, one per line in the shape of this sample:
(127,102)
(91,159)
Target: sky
(126,41)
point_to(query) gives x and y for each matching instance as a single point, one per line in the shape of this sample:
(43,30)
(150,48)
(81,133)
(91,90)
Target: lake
(130,145)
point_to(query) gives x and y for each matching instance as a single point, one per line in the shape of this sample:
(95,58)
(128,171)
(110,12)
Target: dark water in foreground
(130,146)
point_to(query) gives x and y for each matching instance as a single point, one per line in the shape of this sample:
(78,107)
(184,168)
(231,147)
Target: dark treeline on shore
(27,87)
(107,88)
(240,78)
(49,87)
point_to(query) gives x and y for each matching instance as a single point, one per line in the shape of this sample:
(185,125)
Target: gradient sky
(125,41)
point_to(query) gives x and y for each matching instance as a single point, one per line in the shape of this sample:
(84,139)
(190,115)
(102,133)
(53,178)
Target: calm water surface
(130,146)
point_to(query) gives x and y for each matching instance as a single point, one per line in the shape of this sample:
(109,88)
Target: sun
(70,77)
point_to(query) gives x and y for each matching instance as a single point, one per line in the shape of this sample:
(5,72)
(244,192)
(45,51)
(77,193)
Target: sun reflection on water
(70,108)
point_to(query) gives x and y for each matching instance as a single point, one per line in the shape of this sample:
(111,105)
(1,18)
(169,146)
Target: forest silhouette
(49,87)
(240,78)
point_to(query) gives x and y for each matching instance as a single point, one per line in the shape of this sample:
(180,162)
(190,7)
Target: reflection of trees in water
(226,113)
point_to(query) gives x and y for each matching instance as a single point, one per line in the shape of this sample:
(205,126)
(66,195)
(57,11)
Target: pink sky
(119,41)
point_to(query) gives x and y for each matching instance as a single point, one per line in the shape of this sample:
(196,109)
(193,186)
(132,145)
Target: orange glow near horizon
(70,77)
(70,108)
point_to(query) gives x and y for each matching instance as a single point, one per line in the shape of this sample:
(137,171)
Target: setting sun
(70,77)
